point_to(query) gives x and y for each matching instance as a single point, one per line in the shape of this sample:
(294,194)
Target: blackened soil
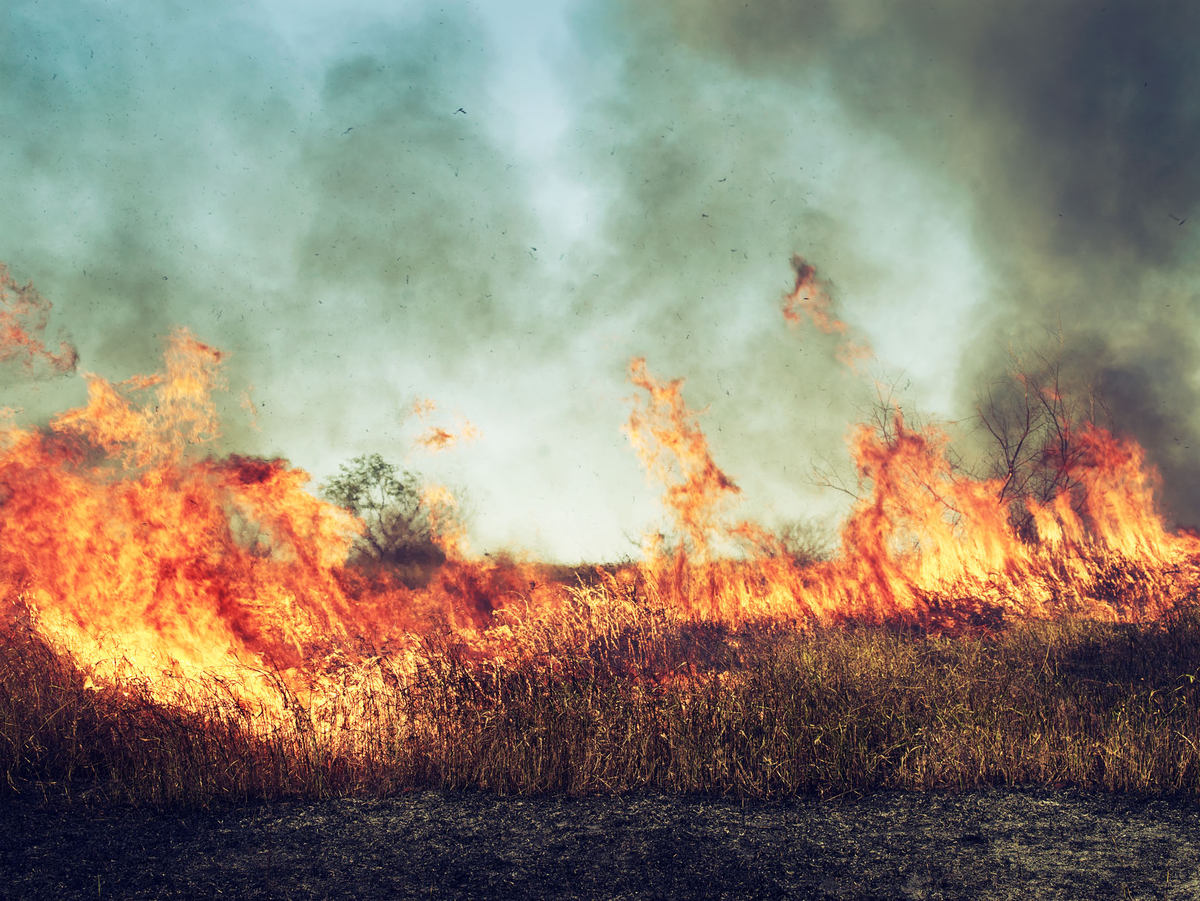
(1035,844)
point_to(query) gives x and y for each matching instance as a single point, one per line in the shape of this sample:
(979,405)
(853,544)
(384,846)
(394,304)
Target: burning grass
(179,625)
(640,701)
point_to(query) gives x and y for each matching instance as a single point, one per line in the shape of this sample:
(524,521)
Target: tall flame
(674,450)
(115,523)
(126,536)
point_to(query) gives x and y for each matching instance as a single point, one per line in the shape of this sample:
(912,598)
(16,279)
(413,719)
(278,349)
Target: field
(645,701)
(184,627)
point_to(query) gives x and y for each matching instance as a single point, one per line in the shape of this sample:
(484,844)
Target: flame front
(119,527)
(126,538)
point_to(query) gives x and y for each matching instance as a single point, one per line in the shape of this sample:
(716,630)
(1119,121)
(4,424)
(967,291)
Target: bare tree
(1034,417)
(806,541)
(1032,424)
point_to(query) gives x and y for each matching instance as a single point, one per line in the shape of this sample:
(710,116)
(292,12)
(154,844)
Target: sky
(496,206)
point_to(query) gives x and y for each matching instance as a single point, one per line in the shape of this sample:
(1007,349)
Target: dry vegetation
(1038,626)
(637,700)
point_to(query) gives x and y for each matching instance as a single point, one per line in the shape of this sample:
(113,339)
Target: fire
(437,438)
(118,526)
(809,298)
(126,537)
(674,450)
(446,529)
(925,542)
(925,538)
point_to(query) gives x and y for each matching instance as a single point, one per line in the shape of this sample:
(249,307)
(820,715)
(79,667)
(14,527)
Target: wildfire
(126,537)
(118,528)
(128,540)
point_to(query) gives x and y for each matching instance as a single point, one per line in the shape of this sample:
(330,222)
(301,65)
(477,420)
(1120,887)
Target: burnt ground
(1016,844)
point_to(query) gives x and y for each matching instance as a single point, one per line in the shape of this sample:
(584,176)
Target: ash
(992,844)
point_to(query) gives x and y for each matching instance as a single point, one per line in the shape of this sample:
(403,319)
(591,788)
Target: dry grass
(639,700)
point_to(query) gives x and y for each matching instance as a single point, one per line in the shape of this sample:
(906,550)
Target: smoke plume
(1069,129)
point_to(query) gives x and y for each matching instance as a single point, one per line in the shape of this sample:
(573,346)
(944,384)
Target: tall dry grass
(615,695)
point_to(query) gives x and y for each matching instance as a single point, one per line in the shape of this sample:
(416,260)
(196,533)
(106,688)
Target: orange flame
(125,535)
(113,525)
(446,528)
(674,450)
(437,438)
(809,298)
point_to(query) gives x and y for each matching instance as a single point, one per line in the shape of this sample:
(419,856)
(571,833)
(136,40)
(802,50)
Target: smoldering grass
(623,697)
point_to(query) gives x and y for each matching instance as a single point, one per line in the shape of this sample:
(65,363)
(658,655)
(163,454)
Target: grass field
(179,626)
(642,700)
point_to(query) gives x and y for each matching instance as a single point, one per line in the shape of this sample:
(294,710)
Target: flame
(674,450)
(127,537)
(446,527)
(926,543)
(436,438)
(440,438)
(808,298)
(116,524)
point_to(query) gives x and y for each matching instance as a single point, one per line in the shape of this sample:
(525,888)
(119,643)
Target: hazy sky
(497,205)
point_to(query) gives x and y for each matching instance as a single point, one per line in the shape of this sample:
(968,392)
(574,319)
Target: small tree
(388,500)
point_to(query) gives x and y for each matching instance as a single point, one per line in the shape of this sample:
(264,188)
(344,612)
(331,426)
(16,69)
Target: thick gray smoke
(1071,129)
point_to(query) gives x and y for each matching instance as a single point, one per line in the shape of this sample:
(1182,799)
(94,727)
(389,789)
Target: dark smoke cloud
(1072,128)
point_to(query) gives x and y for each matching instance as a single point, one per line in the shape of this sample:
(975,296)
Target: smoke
(319,207)
(360,203)
(1069,129)
(713,178)
(343,204)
